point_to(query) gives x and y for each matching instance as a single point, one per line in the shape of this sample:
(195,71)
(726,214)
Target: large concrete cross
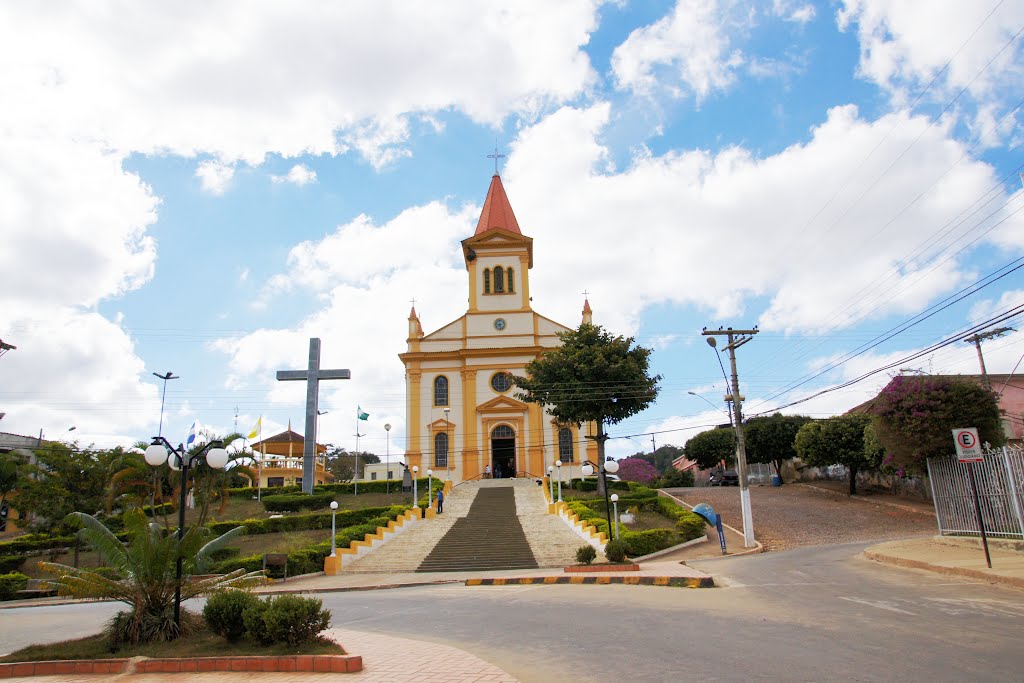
(312,377)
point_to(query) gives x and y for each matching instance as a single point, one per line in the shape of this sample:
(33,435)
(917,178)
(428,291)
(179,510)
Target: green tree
(592,377)
(144,573)
(64,479)
(915,417)
(661,458)
(771,439)
(838,440)
(708,449)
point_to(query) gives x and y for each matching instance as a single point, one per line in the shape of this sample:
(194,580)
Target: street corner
(946,556)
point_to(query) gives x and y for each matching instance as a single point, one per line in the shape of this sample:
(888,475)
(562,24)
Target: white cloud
(236,80)
(904,45)
(215,176)
(988,308)
(689,47)
(682,221)
(796,12)
(299,174)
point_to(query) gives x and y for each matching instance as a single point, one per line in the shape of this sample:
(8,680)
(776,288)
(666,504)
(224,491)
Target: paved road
(818,613)
(794,516)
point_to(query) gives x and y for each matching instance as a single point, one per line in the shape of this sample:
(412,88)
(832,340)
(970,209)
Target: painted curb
(1013,581)
(673,581)
(146,665)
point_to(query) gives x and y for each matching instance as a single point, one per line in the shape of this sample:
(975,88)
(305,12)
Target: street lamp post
(551,483)
(415,482)
(609,467)
(430,488)
(163,397)
(387,457)
(615,506)
(334,533)
(558,468)
(161,451)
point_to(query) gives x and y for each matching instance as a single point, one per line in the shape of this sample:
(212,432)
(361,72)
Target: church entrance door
(503,452)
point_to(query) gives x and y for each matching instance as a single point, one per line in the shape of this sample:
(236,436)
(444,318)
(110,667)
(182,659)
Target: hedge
(649,541)
(319,520)
(10,584)
(311,558)
(344,488)
(296,501)
(11,563)
(687,525)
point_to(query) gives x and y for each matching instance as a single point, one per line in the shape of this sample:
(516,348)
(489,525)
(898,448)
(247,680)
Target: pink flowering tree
(915,417)
(635,469)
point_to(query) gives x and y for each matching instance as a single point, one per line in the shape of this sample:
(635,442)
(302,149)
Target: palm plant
(142,573)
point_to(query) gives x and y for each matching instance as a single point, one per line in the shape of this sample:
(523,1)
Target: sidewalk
(956,556)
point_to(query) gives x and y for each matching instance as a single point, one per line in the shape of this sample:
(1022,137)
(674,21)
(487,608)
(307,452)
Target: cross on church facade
(312,376)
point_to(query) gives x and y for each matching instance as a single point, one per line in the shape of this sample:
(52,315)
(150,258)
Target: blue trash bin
(776,480)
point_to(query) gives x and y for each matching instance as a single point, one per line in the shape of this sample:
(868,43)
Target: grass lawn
(202,643)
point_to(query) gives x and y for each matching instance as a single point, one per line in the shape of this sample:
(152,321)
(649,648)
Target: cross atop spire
(495,156)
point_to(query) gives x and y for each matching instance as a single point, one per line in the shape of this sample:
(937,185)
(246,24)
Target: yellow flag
(255,430)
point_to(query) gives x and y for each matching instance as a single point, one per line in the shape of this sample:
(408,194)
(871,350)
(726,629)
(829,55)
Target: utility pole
(738,338)
(976,340)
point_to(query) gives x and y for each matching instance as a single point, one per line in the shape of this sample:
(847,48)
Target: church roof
(497,212)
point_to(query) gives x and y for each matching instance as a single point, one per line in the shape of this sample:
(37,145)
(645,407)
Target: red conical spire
(497,212)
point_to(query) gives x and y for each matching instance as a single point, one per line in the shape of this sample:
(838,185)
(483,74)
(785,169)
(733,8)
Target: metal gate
(1000,479)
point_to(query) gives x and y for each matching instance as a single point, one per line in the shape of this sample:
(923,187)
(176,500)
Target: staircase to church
(488,524)
(488,537)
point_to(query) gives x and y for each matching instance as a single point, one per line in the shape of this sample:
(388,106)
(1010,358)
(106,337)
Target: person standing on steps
(440,501)
(487,472)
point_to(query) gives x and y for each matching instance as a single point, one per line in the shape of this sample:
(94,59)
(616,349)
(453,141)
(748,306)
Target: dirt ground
(797,515)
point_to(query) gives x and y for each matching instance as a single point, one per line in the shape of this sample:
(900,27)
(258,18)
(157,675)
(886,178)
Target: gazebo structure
(279,460)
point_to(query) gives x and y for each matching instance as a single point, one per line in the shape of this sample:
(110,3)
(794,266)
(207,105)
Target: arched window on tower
(441,450)
(441,391)
(499,280)
(565,444)
(487,280)
(511,283)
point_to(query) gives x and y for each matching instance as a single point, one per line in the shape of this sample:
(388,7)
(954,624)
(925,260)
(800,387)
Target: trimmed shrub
(294,502)
(616,550)
(11,583)
(652,540)
(223,612)
(586,554)
(252,622)
(290,619)
(11,563)
(227,553)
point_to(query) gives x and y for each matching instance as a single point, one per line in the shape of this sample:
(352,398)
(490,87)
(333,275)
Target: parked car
(724,478)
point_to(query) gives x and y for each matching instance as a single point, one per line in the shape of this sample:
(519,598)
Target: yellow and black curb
(673,581)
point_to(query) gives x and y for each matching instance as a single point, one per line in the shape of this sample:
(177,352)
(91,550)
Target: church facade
(464,421)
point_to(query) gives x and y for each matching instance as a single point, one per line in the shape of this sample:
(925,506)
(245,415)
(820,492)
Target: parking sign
(968,446)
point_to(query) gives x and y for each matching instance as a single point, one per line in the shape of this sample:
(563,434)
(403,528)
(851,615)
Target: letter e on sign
(968,447)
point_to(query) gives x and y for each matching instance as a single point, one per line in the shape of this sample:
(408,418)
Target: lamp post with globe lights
(387,458)
(430,488)
(551,482)
(609,467)
(161,451)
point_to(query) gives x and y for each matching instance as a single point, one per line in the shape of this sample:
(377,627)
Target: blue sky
(202,188)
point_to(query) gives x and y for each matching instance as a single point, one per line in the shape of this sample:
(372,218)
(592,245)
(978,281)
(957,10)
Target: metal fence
(1000,480)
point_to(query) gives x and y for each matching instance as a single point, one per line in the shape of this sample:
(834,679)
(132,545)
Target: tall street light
(551,483)
(415,493)
(334,533)
(387,457)
(163,397)
(161,451)
(609,467)
(430,488)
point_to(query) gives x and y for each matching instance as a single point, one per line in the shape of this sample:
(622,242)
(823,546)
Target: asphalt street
(821,613)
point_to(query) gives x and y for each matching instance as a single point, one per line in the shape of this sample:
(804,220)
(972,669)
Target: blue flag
(191,436)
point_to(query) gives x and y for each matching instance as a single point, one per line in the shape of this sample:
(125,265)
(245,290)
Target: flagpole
(355,476)
(259,468)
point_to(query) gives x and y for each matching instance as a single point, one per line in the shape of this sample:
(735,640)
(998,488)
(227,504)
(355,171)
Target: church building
(462,414)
